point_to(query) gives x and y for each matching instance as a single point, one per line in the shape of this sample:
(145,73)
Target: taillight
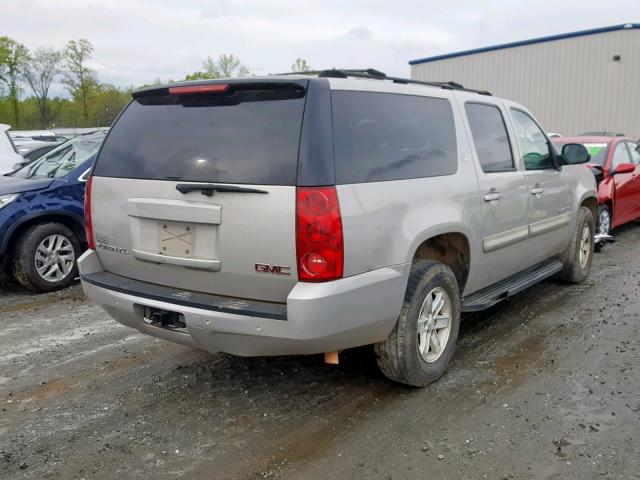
(319,241)
(199,89)
(88,224)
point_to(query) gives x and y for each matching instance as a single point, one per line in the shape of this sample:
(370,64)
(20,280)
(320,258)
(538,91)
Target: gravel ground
(544,385)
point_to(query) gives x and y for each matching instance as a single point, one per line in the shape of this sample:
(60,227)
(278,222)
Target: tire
(603,224)
(400,357)
(64,253)
(576,267)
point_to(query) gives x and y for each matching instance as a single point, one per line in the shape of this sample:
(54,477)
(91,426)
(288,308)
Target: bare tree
(41,69)
(300,65)
(13,56)
(225,66)
(78,77)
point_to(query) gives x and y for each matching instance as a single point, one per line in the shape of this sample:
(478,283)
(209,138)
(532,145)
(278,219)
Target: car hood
(21,185)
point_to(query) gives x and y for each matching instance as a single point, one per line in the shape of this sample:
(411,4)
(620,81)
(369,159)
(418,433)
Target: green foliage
(226,66)
(106,102)
(78,77)
(300,65)
(40,70)
(200,76)
(13,57)
(92,103)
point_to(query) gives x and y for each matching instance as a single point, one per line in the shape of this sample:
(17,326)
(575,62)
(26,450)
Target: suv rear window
(383,136)
(250,135)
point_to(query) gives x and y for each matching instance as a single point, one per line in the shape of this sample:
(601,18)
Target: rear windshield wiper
(208,188)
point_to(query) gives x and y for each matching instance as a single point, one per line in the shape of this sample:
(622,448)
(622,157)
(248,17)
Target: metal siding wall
(571,85)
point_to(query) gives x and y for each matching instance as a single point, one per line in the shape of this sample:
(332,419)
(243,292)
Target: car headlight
(7,199)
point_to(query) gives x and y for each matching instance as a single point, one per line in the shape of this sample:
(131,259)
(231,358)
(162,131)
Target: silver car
(310,214)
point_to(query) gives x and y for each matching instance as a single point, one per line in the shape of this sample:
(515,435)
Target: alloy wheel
(585,246)
(434,324)
(54,258)
(604,222)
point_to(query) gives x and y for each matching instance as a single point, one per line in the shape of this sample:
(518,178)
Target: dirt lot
(545,385)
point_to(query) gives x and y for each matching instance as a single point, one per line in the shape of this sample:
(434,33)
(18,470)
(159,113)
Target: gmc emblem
(274,269)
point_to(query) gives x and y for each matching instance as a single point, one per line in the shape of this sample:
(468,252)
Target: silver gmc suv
(305,214)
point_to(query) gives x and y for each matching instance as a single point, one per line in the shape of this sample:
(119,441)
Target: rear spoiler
(225,85)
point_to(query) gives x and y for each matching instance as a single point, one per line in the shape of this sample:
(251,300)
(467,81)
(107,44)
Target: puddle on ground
(519,362)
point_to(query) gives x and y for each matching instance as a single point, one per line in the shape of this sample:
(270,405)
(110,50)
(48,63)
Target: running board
(510,286)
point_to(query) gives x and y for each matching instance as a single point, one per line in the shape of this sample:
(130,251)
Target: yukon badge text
(102,242)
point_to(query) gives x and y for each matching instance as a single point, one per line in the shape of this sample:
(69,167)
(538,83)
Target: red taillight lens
(199,89)
(319,241)
(88,224)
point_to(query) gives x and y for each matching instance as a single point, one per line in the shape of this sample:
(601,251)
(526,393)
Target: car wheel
(45,257)
(420,347)
(603,225)
(578,256)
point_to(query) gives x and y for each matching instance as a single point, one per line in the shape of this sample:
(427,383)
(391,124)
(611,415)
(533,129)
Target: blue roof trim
(593,31)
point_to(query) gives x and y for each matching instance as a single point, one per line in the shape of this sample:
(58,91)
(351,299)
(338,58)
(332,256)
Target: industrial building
(574,82)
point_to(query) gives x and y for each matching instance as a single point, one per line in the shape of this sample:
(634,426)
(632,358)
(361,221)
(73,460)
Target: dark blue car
(42,215)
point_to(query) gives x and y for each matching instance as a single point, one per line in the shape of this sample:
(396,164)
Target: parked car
(618,160)
(33,151)
(41,215)
(301,215)
(9,156)
(21,137)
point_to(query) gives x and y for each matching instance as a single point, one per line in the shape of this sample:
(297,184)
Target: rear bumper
(320,317)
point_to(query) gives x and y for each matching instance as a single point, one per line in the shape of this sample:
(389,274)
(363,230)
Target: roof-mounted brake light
(199,89)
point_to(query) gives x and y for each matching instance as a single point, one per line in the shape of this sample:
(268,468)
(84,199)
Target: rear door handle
(537,190)
(492,196)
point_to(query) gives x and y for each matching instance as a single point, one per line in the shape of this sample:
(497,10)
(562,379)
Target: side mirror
(575,154)
(624,168)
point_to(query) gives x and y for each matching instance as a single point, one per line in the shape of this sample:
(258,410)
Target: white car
(8,154)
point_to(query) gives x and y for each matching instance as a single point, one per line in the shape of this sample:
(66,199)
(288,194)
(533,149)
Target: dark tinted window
(379,136)
(250,135)
(490,137)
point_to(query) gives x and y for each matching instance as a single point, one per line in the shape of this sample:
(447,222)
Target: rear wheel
(45,257)
(418,350)
(578,256)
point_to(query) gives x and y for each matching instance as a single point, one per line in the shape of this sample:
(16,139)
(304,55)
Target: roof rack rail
(601,133)
(378,75)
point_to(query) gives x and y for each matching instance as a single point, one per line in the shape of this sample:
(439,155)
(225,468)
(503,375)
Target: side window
(534,146)
(620,155)
(634,150)
(490,137)
(382,136)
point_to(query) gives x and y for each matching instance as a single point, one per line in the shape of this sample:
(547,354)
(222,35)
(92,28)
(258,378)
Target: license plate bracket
(176,239)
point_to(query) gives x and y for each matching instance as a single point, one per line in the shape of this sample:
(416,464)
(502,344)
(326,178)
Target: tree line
(26,78)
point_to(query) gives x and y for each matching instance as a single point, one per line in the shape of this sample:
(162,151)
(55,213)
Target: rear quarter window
(381,136)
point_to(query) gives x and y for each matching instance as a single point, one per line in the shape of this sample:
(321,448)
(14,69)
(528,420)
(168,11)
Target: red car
(619,184)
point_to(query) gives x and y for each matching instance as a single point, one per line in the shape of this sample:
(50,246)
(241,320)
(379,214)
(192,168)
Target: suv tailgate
(197,191)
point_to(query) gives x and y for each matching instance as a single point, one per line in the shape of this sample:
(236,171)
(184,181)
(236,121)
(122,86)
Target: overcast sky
(139,41)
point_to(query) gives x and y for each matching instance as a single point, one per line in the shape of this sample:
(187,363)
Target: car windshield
(62,159)
(597,150)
